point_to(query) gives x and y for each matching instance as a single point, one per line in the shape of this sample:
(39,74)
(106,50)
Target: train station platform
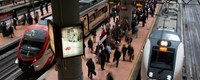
(20,28)
(11,5)
(125,69)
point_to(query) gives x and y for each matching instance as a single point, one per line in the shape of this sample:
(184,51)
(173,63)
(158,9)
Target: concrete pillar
(66,12)
(127,14)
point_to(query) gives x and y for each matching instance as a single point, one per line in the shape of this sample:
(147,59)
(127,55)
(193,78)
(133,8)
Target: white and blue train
(163,54)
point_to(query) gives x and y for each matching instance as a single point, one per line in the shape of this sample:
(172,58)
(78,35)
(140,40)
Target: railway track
(191,18)
(8,69)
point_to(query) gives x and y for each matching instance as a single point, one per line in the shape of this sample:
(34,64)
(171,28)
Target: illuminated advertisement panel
(51,35)
(72,41)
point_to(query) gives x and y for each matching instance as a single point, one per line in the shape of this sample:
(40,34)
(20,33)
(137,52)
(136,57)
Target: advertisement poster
(72,41)
(51,35)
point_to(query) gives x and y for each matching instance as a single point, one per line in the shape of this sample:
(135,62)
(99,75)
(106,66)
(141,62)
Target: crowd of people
(114,35)
(8,29)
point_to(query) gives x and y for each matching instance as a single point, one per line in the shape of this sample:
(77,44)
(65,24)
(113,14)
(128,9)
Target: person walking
(11,31)
(23,19)
(143,19)
(46,7)
(14,23)
(117,55)
(108,52)
(94,35)
(124,49)
(103,59)
(29,19)
(90,45)
(36,17)
(130,52)
(91,68)
(41,9)
(14,15)
(3,29)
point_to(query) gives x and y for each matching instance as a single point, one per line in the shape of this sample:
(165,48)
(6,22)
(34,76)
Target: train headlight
(150,74)
(164,43)
(169,77)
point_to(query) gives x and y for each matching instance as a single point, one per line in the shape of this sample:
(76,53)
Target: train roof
(167,23)
(84,6)
(36,33)
(165,35)
(168,17)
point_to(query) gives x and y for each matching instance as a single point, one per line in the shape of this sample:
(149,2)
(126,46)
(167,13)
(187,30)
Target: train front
(32,48)
(163,56)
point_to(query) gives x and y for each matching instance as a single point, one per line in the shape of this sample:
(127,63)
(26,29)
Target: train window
(104,9)
(99,13)
(162,60)
(30,48)
(92,18)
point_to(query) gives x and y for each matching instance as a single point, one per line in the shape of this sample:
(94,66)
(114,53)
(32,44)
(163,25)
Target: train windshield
(162,59)
(32,42)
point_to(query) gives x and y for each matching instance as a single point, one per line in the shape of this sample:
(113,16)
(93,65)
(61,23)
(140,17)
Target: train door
(84,19)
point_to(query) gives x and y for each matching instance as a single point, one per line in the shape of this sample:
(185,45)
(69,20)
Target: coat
(90,43)
(130,50)
(90,64)
(117,54)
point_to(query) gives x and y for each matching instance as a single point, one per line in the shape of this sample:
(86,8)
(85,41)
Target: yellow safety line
(129,78)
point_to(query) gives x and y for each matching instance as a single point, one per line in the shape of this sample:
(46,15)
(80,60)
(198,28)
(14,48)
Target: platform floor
(125,68)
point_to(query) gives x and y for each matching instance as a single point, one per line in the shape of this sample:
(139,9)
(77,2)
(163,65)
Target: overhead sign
(72,41)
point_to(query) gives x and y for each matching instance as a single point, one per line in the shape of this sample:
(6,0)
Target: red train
(34,52)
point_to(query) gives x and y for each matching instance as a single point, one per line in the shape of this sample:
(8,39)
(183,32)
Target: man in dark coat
(29,19)
(143,19)
(11,31)
(117,55)
(23,19)
(130,52)
(91,68)
(103,59)
(14,15)
(124,49)
(46,7)
(14,23)
(36,17)
(90,44)
(3,28)
(108,52)
(41,9)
